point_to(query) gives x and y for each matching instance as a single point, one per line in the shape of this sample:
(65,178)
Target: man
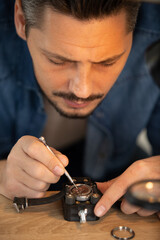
(78,51)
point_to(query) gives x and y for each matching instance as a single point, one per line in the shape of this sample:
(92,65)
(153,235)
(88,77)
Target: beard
(72,97)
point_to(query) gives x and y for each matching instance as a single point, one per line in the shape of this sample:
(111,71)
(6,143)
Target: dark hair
(79,9)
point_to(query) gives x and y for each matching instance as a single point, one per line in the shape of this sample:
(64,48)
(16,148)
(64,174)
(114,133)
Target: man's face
(77,62)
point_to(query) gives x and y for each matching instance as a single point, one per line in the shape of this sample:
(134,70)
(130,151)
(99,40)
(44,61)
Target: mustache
(72,97)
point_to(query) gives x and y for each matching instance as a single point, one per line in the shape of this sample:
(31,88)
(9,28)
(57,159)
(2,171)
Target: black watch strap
(22,203)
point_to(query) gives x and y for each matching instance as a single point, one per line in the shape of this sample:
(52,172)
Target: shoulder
(149,18)
(9,40)
(146,33)
(10,49)
(6,14)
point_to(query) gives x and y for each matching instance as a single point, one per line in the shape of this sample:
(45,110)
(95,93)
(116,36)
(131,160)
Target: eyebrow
(61,58)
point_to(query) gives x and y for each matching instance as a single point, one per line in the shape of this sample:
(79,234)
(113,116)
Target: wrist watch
(78,200)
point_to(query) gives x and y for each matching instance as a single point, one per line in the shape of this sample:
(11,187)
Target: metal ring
(123,228)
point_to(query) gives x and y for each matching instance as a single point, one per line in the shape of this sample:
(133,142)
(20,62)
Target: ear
(19,19)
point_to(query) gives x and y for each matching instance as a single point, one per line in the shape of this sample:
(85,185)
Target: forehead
(83,33)
(92,40)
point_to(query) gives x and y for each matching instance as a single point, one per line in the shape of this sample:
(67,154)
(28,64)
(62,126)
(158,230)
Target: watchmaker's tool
(42,139)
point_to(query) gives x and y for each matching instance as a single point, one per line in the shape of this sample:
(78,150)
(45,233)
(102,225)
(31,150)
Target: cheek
(47,76)
(106,79)
(107,82)
(50,79)
(110,77)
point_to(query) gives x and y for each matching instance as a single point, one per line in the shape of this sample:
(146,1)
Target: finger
(64,160)
(38,171)
(31,182)
(111,195)
(117,189)
(128,208)
(21,190)
(145,213)
(38,151)
(103,186)
(29,193)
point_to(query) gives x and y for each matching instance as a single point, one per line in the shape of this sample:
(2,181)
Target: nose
(80,83)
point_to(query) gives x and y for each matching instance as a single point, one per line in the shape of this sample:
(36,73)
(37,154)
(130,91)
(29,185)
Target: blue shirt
(132,104)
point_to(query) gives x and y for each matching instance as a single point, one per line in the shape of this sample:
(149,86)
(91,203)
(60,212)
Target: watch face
(82,192)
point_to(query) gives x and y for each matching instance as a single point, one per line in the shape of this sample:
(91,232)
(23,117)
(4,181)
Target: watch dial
(82,190)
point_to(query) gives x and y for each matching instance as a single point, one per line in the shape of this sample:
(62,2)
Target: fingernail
(100,211)
(58,171)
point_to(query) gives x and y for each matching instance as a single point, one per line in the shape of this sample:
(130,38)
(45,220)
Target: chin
(76,114)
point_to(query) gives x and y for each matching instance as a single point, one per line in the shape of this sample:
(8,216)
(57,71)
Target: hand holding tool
(42,139)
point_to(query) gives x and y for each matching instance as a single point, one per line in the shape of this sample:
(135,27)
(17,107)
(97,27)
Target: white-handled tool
(42,139)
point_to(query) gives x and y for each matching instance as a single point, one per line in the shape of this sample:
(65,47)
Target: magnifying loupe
(145,194)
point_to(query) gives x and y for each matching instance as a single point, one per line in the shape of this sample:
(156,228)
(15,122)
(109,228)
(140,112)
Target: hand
(116,188)
(30,169)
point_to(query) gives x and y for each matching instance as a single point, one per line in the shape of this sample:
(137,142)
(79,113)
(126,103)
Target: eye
(60,63)
(107,64)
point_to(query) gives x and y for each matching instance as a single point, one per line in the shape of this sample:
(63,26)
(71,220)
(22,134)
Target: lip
(76,104)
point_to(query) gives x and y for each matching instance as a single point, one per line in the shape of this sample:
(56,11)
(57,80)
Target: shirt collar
(25,74)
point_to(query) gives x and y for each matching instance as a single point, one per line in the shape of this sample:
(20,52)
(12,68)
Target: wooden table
(46,223)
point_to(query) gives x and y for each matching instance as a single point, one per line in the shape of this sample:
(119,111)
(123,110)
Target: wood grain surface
(47,223)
